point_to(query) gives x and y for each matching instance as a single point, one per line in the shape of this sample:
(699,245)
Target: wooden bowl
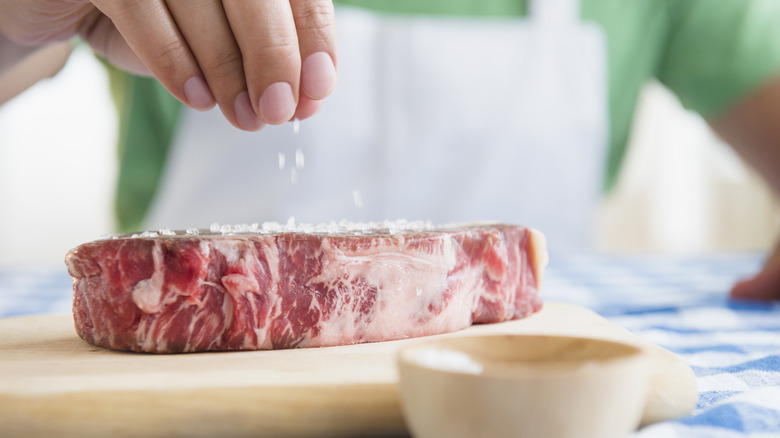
(522,386)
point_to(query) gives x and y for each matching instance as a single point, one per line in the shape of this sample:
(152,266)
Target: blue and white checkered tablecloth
(681,303)
(678,302)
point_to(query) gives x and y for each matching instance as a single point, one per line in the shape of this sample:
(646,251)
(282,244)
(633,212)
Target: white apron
(441,119)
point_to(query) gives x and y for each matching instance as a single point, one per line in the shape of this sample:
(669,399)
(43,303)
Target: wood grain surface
(54,384)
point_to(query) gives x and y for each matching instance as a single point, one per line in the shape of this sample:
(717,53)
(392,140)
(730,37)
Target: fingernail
(198,93)
(318,75)
(277,104)
(245,113)
(306,108)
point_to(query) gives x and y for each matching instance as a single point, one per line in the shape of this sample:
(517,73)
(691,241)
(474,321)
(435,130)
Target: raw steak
(285,286)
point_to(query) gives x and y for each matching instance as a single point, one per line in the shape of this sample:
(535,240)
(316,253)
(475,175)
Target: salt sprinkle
(291,226)
(357,198)
(282,160)
(293,175)
(296,125)
(272,227)
(299,159)
(291,223)
(242,228)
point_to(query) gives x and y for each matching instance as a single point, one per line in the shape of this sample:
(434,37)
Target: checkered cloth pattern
(31,291)
(678,302)
(681,303)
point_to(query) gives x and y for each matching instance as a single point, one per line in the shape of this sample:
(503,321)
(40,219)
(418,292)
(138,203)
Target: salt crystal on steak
(249,288)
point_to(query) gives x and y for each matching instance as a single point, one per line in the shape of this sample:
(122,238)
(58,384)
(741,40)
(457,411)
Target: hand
(750,127)
(765,286)
(262,61)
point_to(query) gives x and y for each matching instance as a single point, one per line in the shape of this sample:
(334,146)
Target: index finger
(152,34)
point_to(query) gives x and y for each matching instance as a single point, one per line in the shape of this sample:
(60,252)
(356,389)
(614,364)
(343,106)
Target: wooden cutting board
(54,384)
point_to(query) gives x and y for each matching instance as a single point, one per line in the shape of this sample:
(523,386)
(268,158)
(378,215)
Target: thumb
(765,286)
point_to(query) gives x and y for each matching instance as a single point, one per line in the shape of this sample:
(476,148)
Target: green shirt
(709,53)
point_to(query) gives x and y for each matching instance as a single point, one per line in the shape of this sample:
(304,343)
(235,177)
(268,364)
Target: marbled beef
(284,286)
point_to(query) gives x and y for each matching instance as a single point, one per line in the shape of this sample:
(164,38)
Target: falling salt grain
(299,159)
(296,125)
(290,224)
(357,198)
(282,160)
(293,175)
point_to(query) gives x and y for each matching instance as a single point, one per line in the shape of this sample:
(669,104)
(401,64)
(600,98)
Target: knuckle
(119,9)
(224,65)
(169,55)
(229,59)
(279,48)
(318,15)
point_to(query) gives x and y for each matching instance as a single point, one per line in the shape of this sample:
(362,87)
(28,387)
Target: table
(677,301)
(681,303)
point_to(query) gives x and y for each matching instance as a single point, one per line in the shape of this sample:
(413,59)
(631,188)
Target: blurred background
(681,189)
